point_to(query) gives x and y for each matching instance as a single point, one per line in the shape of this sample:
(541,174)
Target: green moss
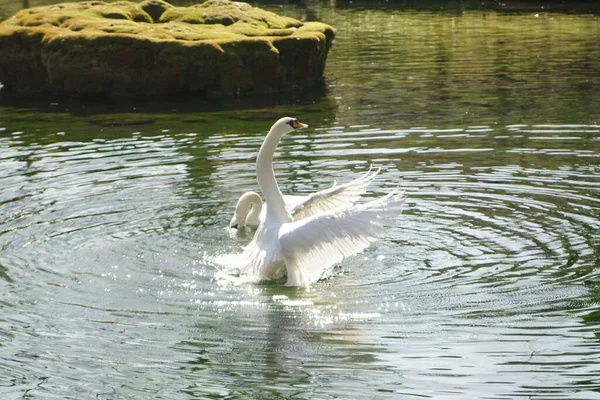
(155,8)
(154,47)
(225,12)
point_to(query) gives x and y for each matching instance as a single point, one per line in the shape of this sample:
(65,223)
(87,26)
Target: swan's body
(306,248)
(249,210)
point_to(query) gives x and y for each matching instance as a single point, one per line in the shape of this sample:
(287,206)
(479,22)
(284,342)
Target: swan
(249,210)
(306,248)
(242,217)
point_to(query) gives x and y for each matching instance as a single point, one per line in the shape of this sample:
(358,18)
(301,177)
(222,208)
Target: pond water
(112,213)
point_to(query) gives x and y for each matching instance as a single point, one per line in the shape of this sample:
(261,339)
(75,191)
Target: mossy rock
(152,47)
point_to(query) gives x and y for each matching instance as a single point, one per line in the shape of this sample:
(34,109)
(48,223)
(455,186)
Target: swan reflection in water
(304,236)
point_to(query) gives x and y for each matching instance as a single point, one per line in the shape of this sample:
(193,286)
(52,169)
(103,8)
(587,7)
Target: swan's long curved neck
(266,178)
(242,217)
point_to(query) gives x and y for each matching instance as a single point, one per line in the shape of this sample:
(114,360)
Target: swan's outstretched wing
(337,196)
(293,201)
(312,245)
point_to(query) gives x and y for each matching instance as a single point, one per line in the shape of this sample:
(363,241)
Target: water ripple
(486,278)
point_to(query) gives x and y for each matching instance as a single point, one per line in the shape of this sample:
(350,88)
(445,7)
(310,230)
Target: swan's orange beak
(298,125)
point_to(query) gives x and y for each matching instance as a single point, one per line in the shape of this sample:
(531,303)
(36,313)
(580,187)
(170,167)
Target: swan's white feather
(292,200)
(337,196)
(312,245)
(261,258)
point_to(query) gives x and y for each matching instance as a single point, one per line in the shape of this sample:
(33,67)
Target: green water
(112,213)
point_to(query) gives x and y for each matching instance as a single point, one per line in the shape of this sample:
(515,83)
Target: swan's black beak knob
(294,123)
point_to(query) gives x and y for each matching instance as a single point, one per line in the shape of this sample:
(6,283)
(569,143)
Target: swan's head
(287,124)
(247,211)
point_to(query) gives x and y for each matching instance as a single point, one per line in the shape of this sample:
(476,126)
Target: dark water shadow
(100,104)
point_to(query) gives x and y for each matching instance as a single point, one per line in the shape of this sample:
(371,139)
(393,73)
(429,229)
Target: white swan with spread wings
(305,248)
